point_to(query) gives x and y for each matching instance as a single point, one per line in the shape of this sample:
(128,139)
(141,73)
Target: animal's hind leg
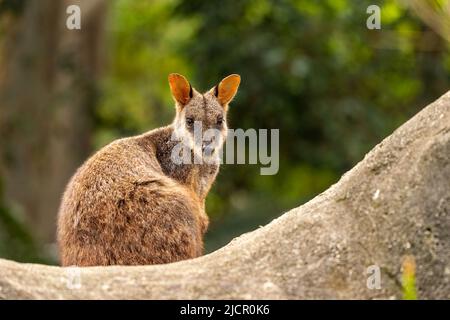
(165,223)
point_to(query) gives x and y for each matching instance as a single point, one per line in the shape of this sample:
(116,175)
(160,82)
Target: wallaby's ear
(180,87)
(227,88)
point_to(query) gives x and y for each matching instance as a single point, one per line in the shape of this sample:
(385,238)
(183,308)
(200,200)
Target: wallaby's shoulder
(133,152)
(119,164)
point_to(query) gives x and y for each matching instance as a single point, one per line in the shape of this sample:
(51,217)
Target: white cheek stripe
(180,132)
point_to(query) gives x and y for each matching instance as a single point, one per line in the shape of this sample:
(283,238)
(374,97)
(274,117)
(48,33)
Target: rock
(394,203)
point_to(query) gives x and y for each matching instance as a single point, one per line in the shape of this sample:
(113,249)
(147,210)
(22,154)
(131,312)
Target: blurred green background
(310,68)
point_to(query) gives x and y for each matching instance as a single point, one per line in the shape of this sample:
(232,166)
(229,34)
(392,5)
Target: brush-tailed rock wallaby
(131,203)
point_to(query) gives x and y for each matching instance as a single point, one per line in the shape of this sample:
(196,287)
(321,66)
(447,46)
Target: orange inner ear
(180,87)
(228,88)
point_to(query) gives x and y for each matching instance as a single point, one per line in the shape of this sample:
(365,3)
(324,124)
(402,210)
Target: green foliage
(144,48)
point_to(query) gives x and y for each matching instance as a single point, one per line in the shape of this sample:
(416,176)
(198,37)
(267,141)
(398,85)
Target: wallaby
(132,204)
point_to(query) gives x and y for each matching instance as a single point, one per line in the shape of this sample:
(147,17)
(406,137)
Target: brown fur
(130,204)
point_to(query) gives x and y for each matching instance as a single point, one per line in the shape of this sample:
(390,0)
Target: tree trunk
(394,203)
(47,93)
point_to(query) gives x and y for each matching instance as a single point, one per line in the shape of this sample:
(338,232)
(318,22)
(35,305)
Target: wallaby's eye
(189,121)
(219,120)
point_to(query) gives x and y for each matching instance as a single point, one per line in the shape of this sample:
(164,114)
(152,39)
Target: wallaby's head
(201,118)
